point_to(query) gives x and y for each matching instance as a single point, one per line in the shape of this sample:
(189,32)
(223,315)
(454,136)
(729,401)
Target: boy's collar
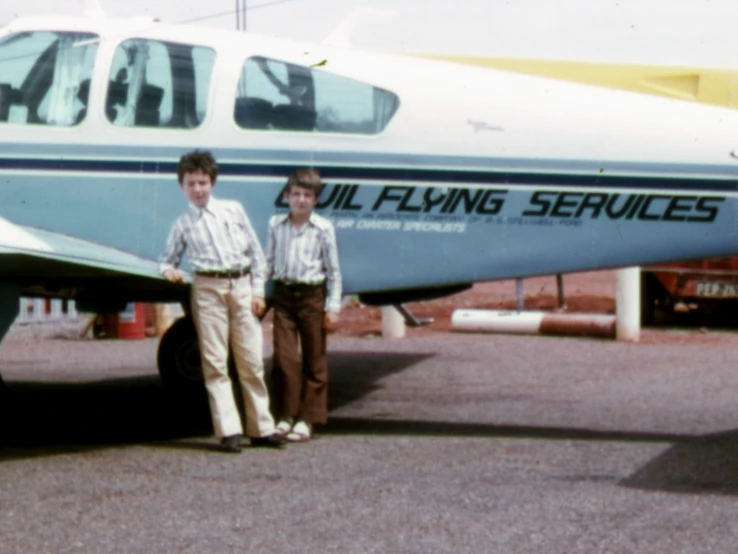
(207,207)
(310,219)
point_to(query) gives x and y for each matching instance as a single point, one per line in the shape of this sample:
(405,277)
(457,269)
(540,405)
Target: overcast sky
(677,32)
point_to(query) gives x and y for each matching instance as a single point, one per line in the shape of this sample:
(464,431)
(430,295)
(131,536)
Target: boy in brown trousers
(302,257)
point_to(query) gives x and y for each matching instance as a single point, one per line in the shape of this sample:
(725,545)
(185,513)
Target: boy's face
(301,200)
(197,186)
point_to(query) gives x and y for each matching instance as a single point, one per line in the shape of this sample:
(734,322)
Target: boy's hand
(258,306)
(331,321)
(174,275)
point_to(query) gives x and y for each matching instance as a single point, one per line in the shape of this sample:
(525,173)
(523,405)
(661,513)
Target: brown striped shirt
(308,255)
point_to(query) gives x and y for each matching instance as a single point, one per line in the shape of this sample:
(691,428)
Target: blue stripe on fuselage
(393,174)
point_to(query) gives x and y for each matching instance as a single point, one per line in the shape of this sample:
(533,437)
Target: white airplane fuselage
(479,174)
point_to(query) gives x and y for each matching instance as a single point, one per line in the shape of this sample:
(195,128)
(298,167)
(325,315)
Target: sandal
(283,427)
(301,432)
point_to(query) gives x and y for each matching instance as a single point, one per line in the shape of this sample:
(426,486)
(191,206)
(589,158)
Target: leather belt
(229,274)
(299,287)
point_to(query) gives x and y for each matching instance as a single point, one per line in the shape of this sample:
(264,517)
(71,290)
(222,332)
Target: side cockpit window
(45,77)
(288,97)
(159,84)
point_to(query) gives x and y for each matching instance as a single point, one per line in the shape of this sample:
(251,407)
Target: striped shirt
(307,255)
(218,237)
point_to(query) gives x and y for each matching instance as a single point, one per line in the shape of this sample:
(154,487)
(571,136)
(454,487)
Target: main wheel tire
(180,369)
(5,412)
(178,357)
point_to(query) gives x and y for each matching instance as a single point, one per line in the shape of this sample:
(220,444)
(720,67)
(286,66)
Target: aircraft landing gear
(9,307)
(180,370)
(178,357)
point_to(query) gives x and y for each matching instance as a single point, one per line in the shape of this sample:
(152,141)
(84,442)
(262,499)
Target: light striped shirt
(218,237)
(306,255)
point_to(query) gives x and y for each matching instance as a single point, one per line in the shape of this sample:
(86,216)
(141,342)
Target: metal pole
(521,297)
(560,289)
(238,15)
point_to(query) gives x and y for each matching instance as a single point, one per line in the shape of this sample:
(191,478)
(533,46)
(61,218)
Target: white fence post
(628,305)
(393,324)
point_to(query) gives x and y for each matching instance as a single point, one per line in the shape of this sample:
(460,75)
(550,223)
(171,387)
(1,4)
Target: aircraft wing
(42,261)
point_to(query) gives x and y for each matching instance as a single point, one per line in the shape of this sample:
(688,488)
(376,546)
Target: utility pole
(240,15)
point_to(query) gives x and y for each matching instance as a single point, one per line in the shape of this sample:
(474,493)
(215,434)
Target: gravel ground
(435,443)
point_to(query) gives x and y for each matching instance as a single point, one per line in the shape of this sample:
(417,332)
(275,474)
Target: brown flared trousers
(300,384)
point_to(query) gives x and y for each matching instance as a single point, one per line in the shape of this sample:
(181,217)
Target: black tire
(4,412)
(180,369)
(178,357)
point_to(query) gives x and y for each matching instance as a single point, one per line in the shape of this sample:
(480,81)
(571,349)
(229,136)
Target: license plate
(717,289)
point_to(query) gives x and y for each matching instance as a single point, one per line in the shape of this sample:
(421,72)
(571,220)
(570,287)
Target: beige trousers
(221,309)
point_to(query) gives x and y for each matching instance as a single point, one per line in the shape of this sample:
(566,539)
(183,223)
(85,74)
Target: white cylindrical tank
(628,304)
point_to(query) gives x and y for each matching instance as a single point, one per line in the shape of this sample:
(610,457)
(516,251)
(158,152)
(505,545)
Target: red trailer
(702,286)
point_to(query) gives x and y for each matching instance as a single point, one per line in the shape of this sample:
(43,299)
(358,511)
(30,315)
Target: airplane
(438,175)
(689,286)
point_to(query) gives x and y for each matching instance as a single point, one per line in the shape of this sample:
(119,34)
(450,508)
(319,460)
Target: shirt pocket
(236,230)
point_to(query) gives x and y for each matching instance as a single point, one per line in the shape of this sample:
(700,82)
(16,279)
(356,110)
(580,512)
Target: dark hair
(197,160)
(307,178)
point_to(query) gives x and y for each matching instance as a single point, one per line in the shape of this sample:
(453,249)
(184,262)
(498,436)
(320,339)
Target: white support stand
(628,305)
(393,324)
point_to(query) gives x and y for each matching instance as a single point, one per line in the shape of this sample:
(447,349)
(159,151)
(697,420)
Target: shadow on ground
(707,464)
(693,464)
(39,418)
(42,417)
(354,375)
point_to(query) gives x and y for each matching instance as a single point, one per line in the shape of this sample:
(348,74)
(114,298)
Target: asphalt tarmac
(436,443)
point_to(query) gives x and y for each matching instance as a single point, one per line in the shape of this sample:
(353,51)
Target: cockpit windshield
(45,77)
